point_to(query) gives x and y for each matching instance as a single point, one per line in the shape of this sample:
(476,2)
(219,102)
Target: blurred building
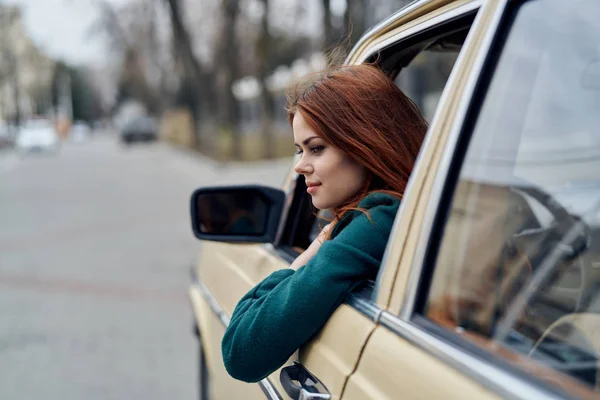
(25,71)
(247,92)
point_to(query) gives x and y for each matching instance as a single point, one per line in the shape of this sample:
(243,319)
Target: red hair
(360,110)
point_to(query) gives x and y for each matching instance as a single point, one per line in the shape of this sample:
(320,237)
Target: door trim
(499,380)
(367,308)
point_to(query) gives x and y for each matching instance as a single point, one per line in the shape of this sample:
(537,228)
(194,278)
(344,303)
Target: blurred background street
(111,113)
(95,250)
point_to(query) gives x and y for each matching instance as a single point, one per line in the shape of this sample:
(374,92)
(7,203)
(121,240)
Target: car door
(226,272)
(497,292)
(409,36)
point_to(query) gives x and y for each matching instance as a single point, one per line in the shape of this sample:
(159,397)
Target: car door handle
(300,384)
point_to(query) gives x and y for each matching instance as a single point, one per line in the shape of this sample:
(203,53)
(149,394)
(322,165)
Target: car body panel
(221,385)
(393,368)
(333,354)
(229,271)
(384,356)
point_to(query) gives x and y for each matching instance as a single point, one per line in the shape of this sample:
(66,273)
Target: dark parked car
(139,129)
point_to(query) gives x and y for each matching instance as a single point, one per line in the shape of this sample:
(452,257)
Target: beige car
(490,284)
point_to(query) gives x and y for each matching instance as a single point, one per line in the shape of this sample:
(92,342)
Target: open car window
(421,67)
(422,76)
(428,71)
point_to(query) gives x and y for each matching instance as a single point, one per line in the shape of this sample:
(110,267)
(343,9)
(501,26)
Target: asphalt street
(95,251)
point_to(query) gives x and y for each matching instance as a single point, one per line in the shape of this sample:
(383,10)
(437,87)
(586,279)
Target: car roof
(405,14)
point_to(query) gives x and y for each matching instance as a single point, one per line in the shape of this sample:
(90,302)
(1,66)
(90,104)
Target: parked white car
(37,136)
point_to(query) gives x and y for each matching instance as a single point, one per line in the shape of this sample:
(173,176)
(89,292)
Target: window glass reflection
(519,263)
(232,213)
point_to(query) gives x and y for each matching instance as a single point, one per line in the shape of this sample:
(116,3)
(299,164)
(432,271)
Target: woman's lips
(312,189)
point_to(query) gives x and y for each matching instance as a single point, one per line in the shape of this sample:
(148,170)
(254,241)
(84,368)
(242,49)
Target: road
(95,250)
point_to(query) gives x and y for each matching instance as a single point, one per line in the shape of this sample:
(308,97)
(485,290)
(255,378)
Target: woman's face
(332,177)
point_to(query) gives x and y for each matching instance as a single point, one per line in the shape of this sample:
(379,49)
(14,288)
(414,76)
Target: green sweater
(287,308)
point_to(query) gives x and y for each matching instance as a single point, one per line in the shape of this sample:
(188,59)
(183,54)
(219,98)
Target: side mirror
(249,214)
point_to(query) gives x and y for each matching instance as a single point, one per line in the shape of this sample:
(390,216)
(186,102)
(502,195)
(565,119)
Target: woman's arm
(287,308)
(307,254)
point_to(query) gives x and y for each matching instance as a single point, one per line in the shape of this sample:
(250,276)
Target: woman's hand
(305,257)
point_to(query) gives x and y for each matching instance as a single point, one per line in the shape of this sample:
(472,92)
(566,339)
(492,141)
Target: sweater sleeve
(286,309)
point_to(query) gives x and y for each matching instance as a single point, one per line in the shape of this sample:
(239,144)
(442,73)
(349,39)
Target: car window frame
(364,300)
(425,31)
(472,360)
(419,30)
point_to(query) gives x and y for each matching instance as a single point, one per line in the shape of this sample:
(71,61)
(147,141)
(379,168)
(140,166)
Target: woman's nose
(302,167)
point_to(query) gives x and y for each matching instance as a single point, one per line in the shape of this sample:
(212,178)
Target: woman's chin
(320,205)
(316,203)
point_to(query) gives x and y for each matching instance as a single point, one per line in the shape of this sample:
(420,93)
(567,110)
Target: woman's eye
(314,150)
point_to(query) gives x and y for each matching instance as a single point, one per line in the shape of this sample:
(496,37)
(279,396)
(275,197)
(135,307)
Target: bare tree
(25,70)
(227,59)
(328,33)
(192,78)
(354,20)
(130,38)
(110,24)
(151,38)
(264,45)
(9,63)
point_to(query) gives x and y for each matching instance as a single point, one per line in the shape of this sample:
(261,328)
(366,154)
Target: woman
(358,137)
